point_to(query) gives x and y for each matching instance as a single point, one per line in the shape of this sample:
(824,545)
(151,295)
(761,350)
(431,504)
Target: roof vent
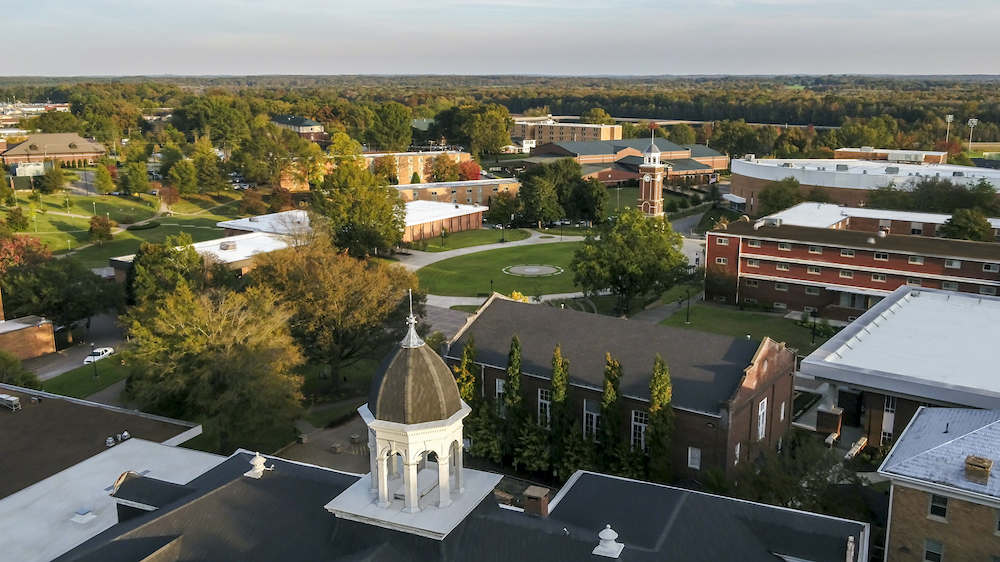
(841,167)
(32,147)
(254,219)
(772,221)
(758,224)
(882,232)
(83,515)
(977,469)
(871,240)
(227,246)
(72,145)
(786,164)
(867,149)
(258,467)
(892,169)
(608,547)
(536,501)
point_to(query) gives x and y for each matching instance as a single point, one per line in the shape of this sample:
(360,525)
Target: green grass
(81,383)
(630,198)
(470,308)
(268,442)
(468,238)
(128,242)
(319,387)
(737,323)
(469,275)
(670,297)
(140,208)
(195,203)
(324,417)
(711,217)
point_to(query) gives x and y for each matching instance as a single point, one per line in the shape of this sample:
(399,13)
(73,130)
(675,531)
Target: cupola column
(444,482)
(382,475)
(411,489)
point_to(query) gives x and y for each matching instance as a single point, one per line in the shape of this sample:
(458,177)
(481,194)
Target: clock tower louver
(651,182)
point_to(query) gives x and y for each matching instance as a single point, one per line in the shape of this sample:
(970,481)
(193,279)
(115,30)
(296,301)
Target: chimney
(536,501)
(608,547)
(977,469)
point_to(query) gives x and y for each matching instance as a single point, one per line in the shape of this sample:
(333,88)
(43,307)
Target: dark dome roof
(413,385)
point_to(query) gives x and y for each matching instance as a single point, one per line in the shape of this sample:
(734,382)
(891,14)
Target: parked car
(98,354)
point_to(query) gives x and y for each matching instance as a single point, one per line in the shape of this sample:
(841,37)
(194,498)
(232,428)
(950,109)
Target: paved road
(104,332)
(445,320)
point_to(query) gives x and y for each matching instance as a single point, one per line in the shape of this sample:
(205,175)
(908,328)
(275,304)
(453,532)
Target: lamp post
(95,207)
(812,313)
(502,239)
(972,127)
(947,133)
(687,320)
(94,363)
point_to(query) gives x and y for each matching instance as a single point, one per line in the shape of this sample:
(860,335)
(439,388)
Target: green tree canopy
(12,372)
(539,200)
(53,180)
(444,168)
(385,169)
(633,256)
(597,116)
(968,224)
(364,215)
(102,180)
(206,162)
(610,431)
(161,269)
(735,138)
(391,130)
(779,195)
(659,430)
(465,373)
(682,134)
(55,122)
(134,178)
(63,291)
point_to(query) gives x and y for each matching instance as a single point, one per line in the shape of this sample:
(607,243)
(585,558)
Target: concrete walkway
(657,314)
(417,259)
(448,302)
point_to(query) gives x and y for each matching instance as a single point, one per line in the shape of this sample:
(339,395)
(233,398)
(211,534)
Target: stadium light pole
(947,133)
(972,127)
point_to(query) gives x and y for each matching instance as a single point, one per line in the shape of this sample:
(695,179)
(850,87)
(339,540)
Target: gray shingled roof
(583,148)
(413,385)
(55,143)
(702,151)
(705,368)
(935,444)
(294,121)
(687,165)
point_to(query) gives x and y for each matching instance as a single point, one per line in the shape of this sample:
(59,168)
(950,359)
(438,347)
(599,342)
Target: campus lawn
(191,204)
(137,207)
(732,322)
(712,216)
(128,242)
(467,276)
(321,418)
(468,238)
(81,383)
(630,198)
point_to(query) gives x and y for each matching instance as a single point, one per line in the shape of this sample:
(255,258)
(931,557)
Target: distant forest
(894,112)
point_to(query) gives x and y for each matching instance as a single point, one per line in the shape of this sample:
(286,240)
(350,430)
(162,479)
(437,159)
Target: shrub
(127,219)
(144,226)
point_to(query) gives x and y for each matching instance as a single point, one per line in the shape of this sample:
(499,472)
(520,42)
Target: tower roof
(413,384)
(651,149)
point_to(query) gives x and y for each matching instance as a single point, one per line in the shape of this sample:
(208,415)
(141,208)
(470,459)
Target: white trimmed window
(762,419)
(933,551)
(886,439)
(722,261)
(815,249)
(938,507)
(953,264)
(916,228)
(722,241)
(591,419)
(881,256)
(500,387)
(780,306)
(949,286)
(890,405)
(753,263)
(752,283)
(915,260)
(813,270)
(545,407)
(781,266)
(753,243)
(694,458)
(639,422)
(781,286)
(878,277)
(991,267)
(812,291)
(846,274)
(913,281)
(989,291)
(785,246)
(845,253)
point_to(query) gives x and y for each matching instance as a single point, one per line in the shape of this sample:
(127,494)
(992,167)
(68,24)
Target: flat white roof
(37,521)
(924,343)
(420,212)
(825,215)
(416,153)
(858,174)
(888,150)
(237,248)
(285,222)
(447,184)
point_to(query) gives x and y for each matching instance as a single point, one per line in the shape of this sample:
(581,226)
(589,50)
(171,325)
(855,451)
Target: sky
(550,37)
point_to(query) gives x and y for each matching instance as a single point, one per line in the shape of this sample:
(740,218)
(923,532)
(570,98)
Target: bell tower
(651,181)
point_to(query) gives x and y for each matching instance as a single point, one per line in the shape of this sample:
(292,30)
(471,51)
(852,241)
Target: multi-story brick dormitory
(838,273)
(830,215)
(731,396)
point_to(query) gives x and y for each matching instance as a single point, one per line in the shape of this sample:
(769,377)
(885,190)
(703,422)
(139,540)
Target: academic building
(553,131)
(408,163)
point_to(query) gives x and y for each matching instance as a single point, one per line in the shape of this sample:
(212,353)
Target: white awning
(734,198)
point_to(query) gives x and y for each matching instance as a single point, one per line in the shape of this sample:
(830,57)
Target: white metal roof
(237,248)
(924,343)
(735,198)
(892,150)
(36,521)
(420,212)
(825,215)
(284,222)
(859,174)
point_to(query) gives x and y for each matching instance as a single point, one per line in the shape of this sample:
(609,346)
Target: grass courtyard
(468,238)
(738,323)
(467,276)
(81,382)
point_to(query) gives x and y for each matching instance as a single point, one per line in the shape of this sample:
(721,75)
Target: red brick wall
(472,221)
(29,342)
(750,189)
(720,278)
(968,533)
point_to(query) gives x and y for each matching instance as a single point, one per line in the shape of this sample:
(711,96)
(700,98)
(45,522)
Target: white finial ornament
(411,339)
(608,547)
(257,462)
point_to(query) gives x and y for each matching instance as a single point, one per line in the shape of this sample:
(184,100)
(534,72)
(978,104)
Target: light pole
(687,320)
(95,207)
(947,133)
(812,313)
(972,127)
(94,363)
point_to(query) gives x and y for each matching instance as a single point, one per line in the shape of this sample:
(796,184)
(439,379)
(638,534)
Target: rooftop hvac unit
(227,246)
(786,164)
(841,167)
(892,169)
(867,149)
(958,174)
(772,221)
(905,157)
(254,219)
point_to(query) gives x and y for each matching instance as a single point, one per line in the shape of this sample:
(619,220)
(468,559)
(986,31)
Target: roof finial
(411,339)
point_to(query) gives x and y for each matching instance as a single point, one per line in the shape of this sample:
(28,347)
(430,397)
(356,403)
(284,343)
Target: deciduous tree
(159,270)
(363,215)
(968,224)
(21,250)
(385,169)
(134,178)
(63,291)
(735,138)
(53,180)
(16,220)
(444,168)
(100,229)
(539,200)
(391,130)
(12,372)
(184,176)
(469,170)
(252,204)
(206,162)
(597,116)
(779,195)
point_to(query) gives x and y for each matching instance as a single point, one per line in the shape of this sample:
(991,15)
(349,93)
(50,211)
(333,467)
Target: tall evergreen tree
(659,431)
(560,408)
(465,374)
(611,404)
(513,409)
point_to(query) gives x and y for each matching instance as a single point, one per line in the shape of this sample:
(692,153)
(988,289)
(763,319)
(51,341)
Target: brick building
(553,131)
(68,148)
(838,273)
(619,160)
(730,395)
(427,219)
(236,252)
(945,501)
(305,128)
(916,347)
(420,162)
(844,181)
(473,192)
(27,337)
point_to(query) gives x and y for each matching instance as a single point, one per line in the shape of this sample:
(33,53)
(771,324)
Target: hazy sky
(114,37)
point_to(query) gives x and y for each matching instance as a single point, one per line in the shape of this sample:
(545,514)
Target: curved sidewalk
(418,259)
